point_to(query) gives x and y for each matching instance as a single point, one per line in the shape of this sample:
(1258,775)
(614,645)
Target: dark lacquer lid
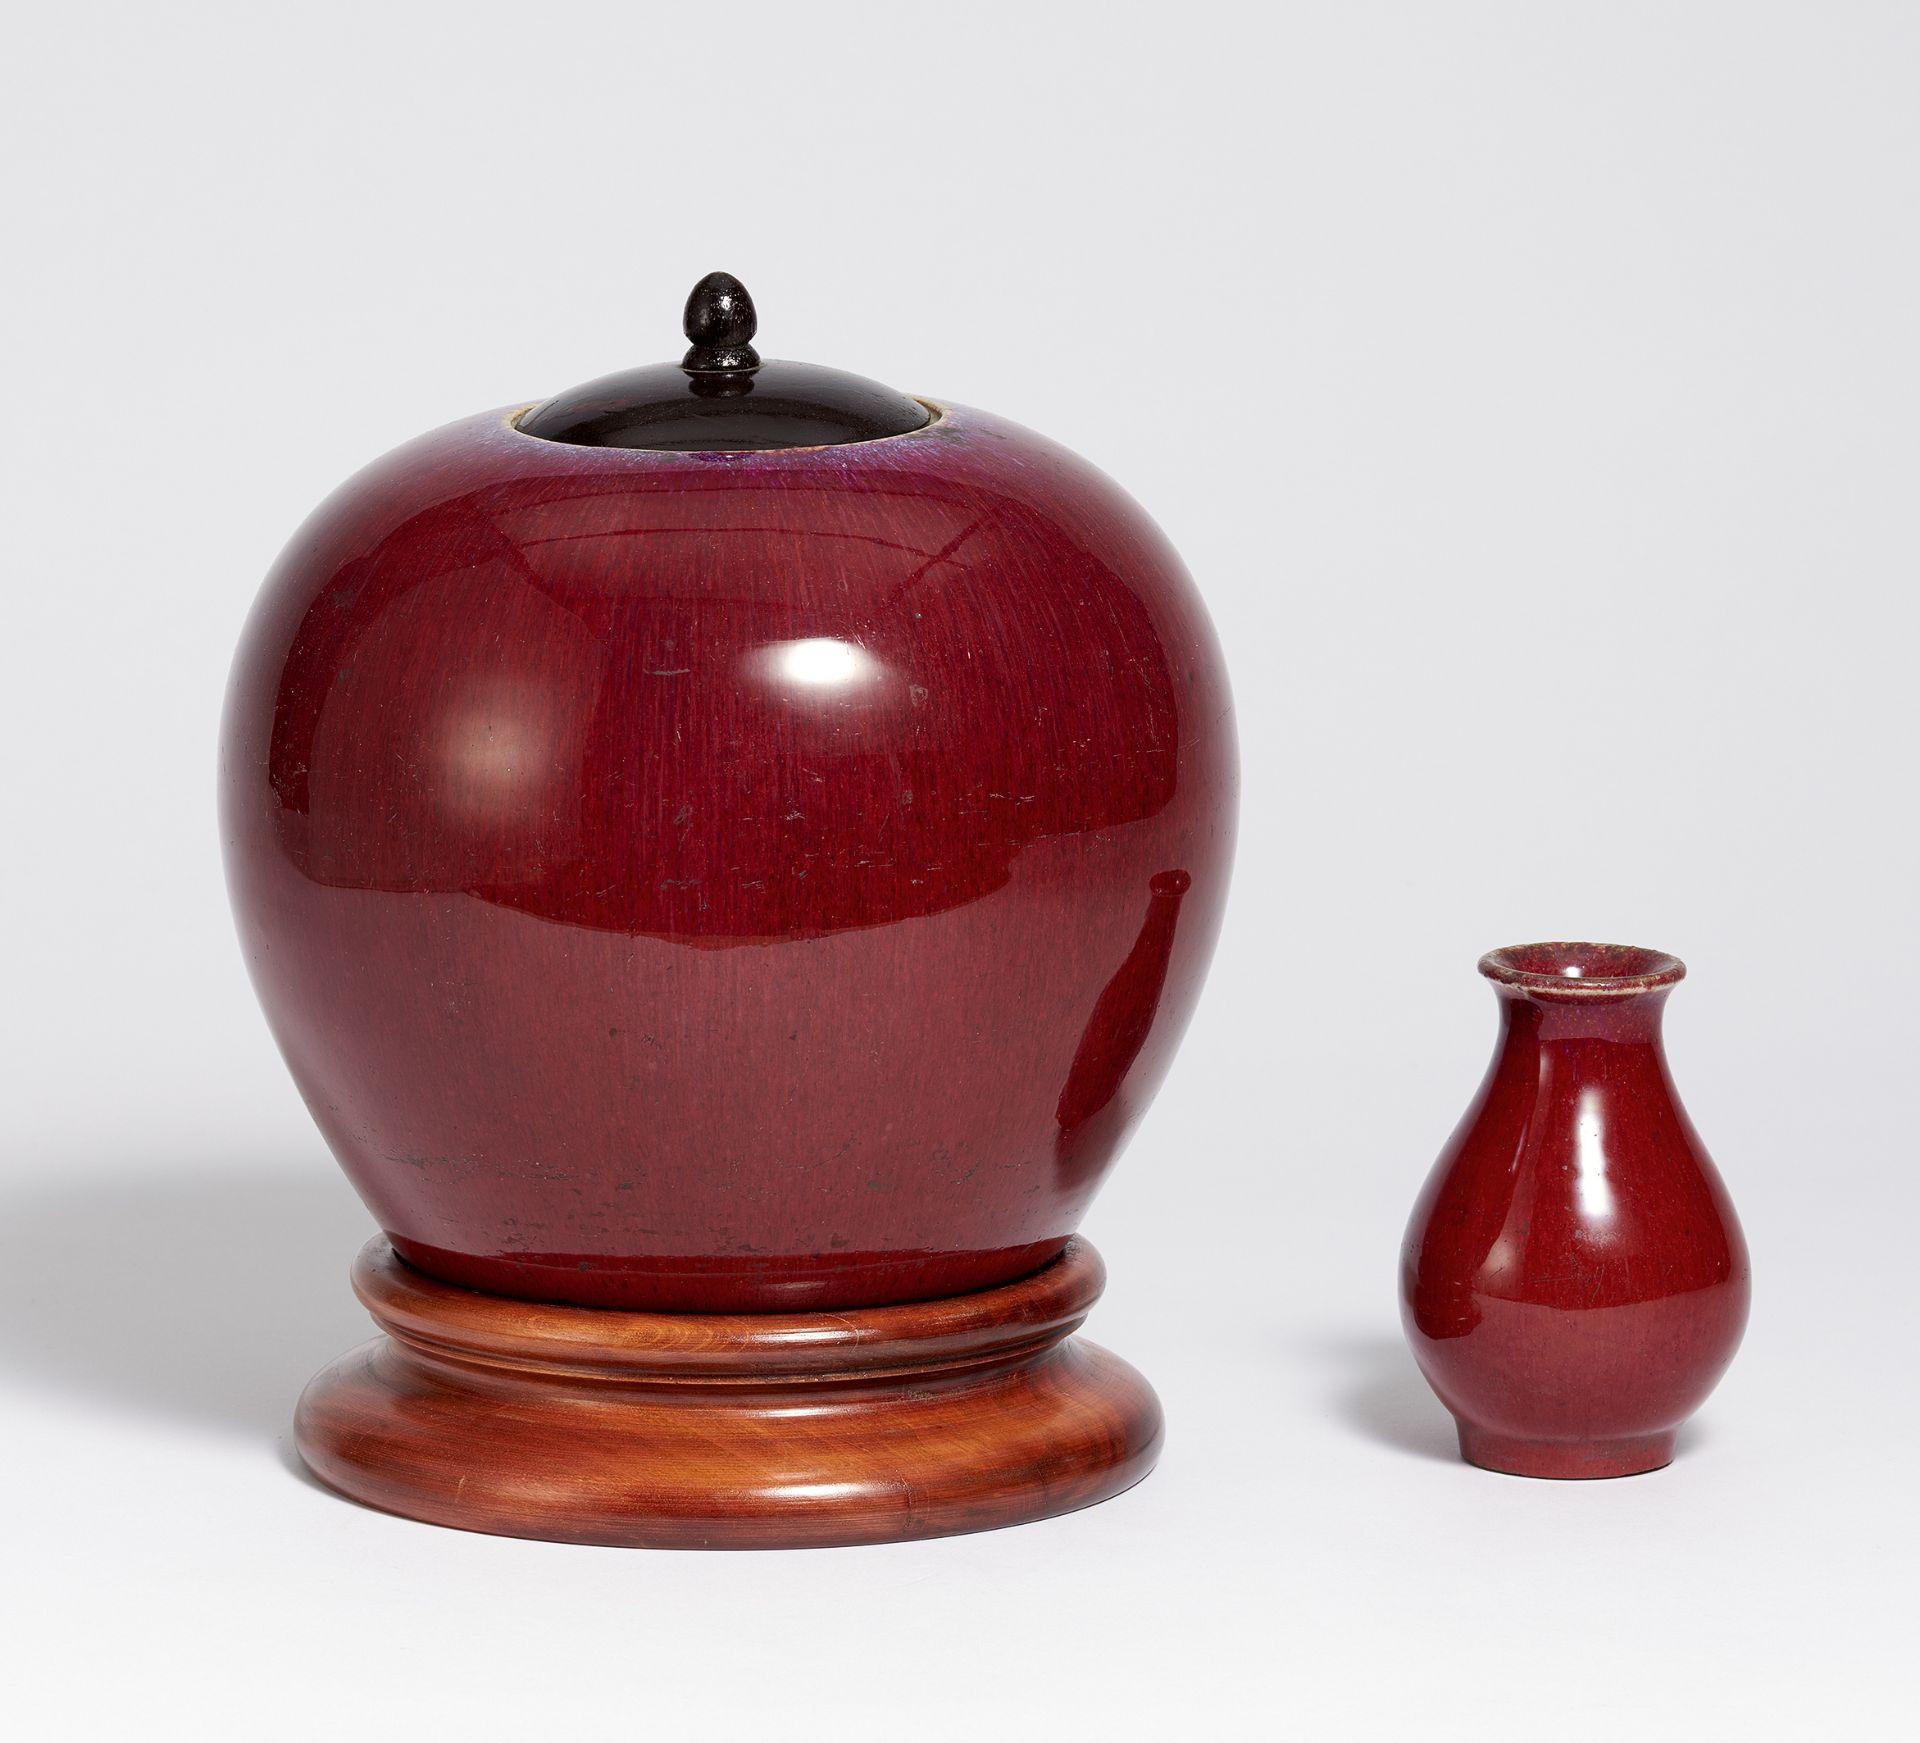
(722,397)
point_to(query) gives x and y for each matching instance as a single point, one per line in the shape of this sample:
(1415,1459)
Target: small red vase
(1574,1281)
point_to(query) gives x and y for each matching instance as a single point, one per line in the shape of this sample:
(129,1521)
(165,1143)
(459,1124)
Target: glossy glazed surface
(728,881)
(1574,1280)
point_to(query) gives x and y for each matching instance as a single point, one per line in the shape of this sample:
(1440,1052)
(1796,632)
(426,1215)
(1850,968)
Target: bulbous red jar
(1574,1281)
(740,880)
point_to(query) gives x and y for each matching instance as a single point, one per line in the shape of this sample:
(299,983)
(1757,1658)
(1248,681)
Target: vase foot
(1517,1456)
(729,1431)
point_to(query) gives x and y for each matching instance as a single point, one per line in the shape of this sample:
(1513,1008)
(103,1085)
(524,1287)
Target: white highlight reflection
(1590,1184)
(821,662)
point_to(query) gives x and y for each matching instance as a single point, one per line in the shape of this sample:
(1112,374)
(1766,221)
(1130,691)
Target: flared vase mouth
(1582,971)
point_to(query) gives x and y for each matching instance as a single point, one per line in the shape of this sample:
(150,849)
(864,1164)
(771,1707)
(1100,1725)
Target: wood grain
(667,1430)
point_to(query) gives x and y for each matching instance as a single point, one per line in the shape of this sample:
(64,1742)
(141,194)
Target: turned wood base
(729,1431)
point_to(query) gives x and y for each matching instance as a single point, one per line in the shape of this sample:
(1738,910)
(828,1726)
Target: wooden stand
(729,1431)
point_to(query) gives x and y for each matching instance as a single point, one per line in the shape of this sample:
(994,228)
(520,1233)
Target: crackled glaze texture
(728,881)
(1574,1281)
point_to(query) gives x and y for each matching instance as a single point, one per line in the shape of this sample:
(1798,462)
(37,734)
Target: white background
(1535,393)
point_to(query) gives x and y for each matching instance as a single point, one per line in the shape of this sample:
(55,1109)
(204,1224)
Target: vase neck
(1632,1019)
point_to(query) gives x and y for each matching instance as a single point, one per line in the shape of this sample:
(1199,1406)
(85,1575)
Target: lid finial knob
(720,324)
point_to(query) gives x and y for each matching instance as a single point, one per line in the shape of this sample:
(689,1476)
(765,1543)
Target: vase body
(1574,1280)
(728,881)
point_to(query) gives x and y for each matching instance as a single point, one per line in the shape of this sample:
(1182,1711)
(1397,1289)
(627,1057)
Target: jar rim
(939,417)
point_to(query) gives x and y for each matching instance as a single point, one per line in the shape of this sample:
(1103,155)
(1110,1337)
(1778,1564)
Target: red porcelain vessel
(1574,1281)
(768,879)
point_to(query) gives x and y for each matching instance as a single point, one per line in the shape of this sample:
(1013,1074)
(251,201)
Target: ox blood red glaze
(728,881)
(1574,1280)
